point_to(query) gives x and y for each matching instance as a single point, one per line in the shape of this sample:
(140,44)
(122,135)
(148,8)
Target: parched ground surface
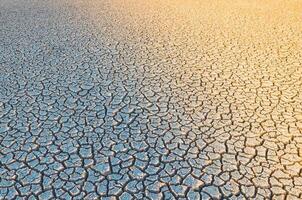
(141,99)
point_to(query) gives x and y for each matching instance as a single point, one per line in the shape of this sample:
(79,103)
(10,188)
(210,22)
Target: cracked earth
(129,99)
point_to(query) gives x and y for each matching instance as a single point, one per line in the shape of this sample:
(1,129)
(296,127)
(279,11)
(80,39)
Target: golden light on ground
(165,99)
(248,53)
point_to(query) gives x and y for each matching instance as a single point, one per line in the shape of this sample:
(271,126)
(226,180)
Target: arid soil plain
(150,99)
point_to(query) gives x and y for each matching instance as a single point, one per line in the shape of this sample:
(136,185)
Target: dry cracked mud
(141,99)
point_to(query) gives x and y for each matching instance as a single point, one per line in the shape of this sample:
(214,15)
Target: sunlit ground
(160,99)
